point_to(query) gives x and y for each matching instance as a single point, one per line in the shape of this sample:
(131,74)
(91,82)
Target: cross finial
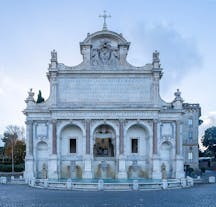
(105,16)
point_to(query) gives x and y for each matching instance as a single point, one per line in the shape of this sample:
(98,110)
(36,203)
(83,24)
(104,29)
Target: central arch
(104,141)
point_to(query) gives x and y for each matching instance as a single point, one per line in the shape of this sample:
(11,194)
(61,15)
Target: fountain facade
(105,119)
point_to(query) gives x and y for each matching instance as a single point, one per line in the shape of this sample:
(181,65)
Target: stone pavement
(24,196)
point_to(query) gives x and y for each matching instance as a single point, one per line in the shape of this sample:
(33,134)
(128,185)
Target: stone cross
(105,16)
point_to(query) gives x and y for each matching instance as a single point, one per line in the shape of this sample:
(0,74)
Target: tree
(10,138)
(209,141)
(40,99)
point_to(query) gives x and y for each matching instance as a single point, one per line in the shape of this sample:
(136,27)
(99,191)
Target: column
(177,137)
(53,161)
(54,137)
(122,172)
(156,169)
(87,136)
(155,137)
(87,174)
(30,132)
(29,167)
(179,159)
(121,137)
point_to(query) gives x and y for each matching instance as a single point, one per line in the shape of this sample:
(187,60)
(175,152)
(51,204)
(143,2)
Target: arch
(107,33)
(42,150)
(69,123)
(140,133)
(109,123)
(142,124)
(166,154)
(68,134)
(104,141)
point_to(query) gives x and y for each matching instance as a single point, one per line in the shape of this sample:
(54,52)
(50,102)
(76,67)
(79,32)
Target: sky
(182,31)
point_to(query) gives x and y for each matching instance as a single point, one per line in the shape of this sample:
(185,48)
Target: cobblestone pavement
(24,196)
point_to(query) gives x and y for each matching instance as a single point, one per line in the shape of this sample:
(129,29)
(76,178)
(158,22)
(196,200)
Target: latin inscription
(94,90)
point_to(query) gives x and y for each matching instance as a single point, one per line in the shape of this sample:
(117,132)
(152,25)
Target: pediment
(104,48)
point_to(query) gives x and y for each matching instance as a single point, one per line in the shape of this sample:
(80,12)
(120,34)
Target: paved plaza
(24,196)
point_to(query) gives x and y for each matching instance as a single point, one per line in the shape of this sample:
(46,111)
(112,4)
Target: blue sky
(183,31)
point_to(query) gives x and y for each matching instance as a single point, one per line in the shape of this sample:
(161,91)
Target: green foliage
(14,148)
(8,168)
(40,99)
(209,141)
(19,151)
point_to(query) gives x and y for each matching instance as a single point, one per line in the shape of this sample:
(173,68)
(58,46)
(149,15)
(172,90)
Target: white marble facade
(105,118)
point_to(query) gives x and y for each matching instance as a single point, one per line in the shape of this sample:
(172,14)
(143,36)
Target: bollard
(190,181)
(12,177)
(69,184)
(100,184)
(135,185)
(45,183)
(32,182)
(212,179)
(20,177)
(3,180)
(183,182)
(164,184)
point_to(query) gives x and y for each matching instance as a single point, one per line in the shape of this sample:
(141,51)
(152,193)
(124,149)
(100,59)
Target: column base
(87,169)
(156,168)
(29,168)
(53,167)
(180,167)
(122,174)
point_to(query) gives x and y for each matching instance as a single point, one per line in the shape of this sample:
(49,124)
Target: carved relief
(105,54)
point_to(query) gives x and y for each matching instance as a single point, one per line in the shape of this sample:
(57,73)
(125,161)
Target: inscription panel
(104,90)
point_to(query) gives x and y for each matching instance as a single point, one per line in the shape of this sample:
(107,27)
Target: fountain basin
(110,184)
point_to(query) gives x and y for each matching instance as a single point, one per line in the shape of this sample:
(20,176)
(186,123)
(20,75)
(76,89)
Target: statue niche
(105,54)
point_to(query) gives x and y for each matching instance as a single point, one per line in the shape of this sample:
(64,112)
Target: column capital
(29,122)
(53,121)
(155,120)
(121,121)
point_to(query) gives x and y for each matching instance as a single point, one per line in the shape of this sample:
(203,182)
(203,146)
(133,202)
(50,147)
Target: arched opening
(137,146)
(42,160)
(71,146)
(166,159)
(104,141)
(71,140)
(137,140)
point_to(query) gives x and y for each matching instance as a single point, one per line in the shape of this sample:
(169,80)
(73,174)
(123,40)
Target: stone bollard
(20,177)
(45,183)
(12,177)
(69,184)
(135,185)
(164,184)
(100,184)
(212,179)
(32,182)
(183,182)
(3,180)
(190,181)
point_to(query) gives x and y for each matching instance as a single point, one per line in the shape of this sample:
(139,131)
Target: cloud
(179,55)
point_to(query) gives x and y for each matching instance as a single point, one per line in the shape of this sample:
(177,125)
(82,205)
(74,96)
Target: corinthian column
(29,124)
(156,173)
(155,137)
(177,137)
(87,136)
(54,137)
(121,137)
